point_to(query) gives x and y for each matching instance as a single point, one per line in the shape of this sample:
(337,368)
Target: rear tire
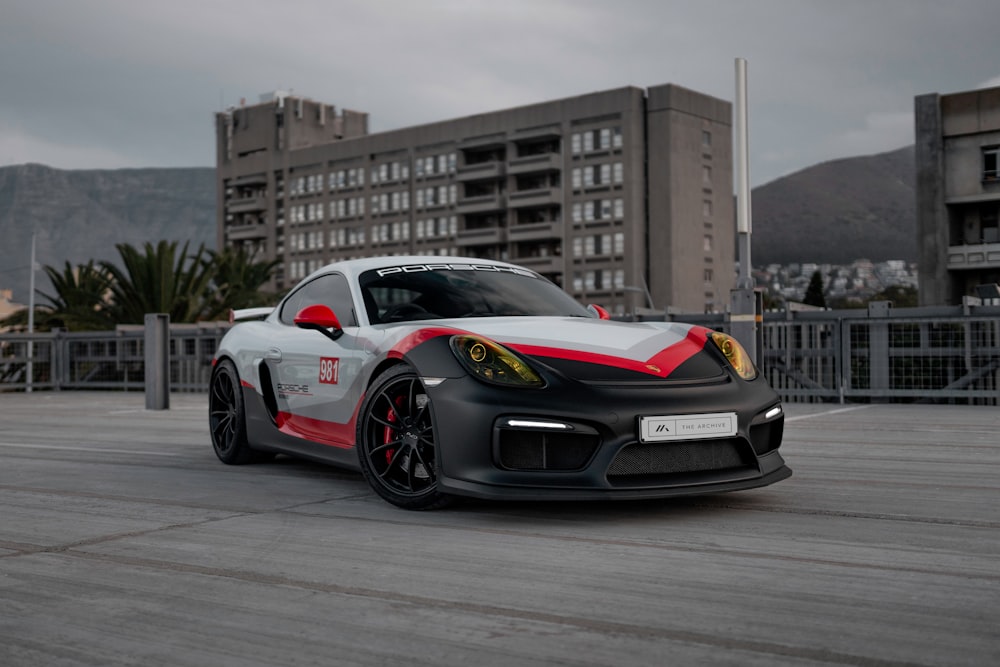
(227,421)
(396,443)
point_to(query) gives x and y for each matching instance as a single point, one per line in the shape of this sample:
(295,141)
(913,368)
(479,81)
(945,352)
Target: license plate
(669,428)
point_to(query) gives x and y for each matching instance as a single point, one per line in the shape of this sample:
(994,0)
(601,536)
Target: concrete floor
(123,541)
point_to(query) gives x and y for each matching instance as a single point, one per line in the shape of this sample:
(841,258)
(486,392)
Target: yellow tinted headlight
(494,363)
(735,355)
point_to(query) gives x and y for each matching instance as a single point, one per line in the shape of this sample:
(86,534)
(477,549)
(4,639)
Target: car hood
(572,344)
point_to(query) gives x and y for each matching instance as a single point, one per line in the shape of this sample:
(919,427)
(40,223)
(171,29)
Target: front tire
(227,421)
(396,441)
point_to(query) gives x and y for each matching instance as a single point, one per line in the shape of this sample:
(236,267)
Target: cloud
(141,80)
(882,131)
(19,147)
(991,83)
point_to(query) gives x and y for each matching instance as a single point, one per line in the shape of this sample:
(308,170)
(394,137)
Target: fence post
(878,346)
(156,349)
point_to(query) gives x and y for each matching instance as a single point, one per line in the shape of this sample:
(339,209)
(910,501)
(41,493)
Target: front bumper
(493,442)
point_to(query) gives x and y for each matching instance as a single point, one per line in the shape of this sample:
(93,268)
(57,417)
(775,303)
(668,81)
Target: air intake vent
(535,450)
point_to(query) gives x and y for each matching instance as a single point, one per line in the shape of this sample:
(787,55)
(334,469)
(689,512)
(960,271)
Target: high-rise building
(623,197)
(958,193)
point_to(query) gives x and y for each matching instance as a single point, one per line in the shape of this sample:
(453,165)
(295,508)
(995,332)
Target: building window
(708,243)
(605,138)
(706,208)
(988,222)
(619,278)
(990,166)
(575,143)
(706,138)
(706,175)
(606,207)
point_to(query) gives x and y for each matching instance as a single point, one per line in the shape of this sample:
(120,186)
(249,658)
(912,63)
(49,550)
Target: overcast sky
(99,84)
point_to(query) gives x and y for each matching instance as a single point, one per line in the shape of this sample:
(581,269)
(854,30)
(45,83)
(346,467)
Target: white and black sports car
(442,377)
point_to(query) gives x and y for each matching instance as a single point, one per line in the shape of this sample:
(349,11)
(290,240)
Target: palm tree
(79,303)
(194,287)
(237,280)
(158,281)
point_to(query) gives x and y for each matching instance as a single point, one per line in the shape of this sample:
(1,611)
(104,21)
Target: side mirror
(320,318)
(598,312)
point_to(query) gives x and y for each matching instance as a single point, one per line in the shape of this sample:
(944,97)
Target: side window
(331,290)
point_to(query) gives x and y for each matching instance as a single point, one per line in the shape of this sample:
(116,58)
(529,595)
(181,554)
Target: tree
(902,296)
(814,293)
(237,280)
(79,302)
(194,287)
(159,281)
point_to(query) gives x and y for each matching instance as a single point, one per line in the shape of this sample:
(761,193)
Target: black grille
(677,457)
(533,450)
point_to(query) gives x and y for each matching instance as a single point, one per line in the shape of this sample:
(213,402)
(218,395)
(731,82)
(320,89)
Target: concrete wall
(678,192)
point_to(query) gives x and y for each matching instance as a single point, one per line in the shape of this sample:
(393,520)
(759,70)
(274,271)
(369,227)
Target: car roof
(352,268)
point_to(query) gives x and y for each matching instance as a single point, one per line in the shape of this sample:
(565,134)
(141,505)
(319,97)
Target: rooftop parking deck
(124,541)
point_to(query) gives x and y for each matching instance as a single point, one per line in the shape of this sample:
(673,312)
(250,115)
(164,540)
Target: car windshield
(432,291)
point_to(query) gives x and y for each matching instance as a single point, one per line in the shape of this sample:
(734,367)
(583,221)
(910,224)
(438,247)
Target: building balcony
(481,171)
(972,257)
(539,197)
(536,231)
(535,163)
(481,204)
(246,232)
(481,236)
(246,204)
(251,179)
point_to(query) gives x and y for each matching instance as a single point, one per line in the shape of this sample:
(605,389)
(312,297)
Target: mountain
(834,212)
(838,211)
(80,215)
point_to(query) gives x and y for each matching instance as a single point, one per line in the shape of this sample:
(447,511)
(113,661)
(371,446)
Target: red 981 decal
(329,370)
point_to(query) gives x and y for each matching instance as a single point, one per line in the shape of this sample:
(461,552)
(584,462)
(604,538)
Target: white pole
(743,219)
(31,318)
(744,314)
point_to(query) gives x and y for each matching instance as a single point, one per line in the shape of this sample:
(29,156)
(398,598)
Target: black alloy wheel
(396,447)
(227,416)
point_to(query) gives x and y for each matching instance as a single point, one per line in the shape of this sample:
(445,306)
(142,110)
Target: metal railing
(880,354)
(941,354)
(113,360)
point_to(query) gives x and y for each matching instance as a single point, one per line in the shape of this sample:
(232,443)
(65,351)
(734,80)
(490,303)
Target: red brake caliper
(387,435)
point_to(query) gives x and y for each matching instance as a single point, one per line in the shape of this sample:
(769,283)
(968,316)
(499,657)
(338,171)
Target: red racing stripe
(418,337)
(320,430)
(661,364)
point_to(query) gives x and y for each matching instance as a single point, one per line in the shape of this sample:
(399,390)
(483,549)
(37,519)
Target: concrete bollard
(157,357)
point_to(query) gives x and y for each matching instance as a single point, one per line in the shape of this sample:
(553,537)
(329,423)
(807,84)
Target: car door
(316,378)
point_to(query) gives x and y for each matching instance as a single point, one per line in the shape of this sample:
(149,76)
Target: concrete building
(624,197)
(958,193)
